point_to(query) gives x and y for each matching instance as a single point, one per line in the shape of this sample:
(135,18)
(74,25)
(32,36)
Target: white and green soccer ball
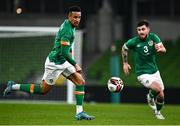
(115,84)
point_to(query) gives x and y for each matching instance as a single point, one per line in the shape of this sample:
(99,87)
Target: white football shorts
(147,79)
(53,71)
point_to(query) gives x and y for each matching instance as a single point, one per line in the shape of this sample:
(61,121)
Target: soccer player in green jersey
(145,46)
(59,62)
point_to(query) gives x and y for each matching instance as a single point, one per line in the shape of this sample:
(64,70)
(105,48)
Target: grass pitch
(50,113)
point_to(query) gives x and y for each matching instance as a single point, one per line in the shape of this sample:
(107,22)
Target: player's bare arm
(126,66)
(160,47)
(124,54)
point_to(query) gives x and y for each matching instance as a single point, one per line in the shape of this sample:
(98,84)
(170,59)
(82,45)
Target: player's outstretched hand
(160,48)
(126,68)
(78,68)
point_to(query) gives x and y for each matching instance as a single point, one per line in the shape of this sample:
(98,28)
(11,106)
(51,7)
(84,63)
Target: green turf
(63,114)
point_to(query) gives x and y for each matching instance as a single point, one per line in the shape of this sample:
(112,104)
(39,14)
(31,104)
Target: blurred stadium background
(105,23)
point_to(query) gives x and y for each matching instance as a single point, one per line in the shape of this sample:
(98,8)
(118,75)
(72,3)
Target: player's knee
(161,94)
(160,97)
(81,82)
(156,87)
(45,88)
(44,92)
(160,100)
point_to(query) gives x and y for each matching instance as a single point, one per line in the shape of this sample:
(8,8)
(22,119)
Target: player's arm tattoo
(124,54)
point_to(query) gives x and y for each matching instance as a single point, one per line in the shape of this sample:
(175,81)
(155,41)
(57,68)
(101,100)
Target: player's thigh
(71,74)
(151,81)
(45,87)
(159,80)
(76,78)
(157,83)
(146,79)
(51,75)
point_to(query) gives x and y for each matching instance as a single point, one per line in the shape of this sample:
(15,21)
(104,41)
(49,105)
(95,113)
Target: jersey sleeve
(65,36)
(64,40)
(66,54)
(156,39)
(66,47)
(129,44)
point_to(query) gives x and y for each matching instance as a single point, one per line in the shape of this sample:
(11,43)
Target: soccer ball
(115,84)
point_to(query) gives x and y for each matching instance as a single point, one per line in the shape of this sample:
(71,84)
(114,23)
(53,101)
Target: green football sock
(31,88)
(79,94)
(152,93)
(159,103)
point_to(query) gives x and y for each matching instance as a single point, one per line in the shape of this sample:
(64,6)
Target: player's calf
(159,102)
(29,88)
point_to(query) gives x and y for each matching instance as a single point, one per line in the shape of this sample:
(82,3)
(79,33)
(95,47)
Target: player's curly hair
(143,22)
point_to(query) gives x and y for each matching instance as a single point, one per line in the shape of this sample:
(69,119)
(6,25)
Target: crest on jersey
(150,43)
(51,80)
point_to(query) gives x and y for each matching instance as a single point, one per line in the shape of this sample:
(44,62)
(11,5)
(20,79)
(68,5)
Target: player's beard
(143,36)
(75,24)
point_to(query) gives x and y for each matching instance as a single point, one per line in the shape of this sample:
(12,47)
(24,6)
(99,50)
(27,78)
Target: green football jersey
(61,53)
(144,53)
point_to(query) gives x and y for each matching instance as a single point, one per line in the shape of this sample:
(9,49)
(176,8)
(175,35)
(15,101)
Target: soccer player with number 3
(145,46)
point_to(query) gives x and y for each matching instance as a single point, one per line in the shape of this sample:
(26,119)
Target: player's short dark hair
(74,8)
(143,22)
